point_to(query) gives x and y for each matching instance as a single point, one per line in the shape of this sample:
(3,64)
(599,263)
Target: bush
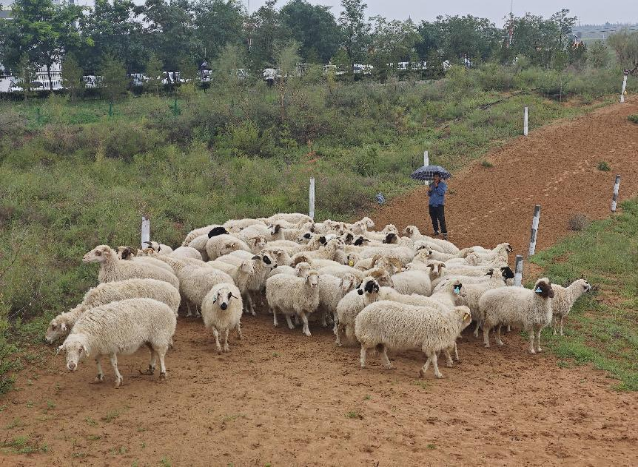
(578,222)
(633,118)
(603,166)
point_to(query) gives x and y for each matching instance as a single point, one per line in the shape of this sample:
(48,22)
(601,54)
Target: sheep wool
(121,327)
(389,325)
(114,269)
(292,295)
(530,309)
(221,311)
(564,299)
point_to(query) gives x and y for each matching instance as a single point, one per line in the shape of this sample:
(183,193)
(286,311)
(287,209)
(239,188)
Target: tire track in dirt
(280,398)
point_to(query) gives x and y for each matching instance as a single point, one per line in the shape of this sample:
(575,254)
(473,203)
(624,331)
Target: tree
(598,56)
(467,37)
(153,71)
(43,31)
(392,42)
(266,36)
(217,23)
(225,68)
(625,44)
(111,28)
(314,28)
(114,81)
(26,73)
(169,31)
(355,30)
(72,76)
(287,60)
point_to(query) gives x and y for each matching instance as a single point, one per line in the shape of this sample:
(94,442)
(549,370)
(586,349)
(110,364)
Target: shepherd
(436,192)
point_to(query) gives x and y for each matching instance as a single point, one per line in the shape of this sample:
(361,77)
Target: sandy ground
(280,398)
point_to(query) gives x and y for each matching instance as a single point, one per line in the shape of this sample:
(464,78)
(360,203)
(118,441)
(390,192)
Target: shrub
(603,166)
(578,222)
(633,118)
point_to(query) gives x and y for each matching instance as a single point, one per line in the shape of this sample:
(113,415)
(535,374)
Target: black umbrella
(427,173)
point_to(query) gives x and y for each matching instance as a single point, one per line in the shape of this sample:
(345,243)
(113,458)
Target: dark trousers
(437,214)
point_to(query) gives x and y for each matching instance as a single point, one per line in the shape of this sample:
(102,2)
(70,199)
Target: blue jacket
(437,194)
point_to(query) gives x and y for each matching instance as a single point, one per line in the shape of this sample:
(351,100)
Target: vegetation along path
(279,398)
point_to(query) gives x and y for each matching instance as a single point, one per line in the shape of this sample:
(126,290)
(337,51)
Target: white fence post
(535,221)
(526,122)
(614,200)
(518,271)
(624,87)
(426,162)
(146,230)
(311,199)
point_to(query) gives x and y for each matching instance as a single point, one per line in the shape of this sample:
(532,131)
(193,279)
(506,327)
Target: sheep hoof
(388,366)
(226,349)
(99,378)
(438,375)
(118,382)
(538,350)
(162,376)
(500,343)
(449,364)
(532,351)
(307,333)
(149,371)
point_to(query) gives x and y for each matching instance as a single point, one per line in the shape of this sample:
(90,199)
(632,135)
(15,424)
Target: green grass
(602,327)
(23,445)
(71,177)
(633,118)
(603,166)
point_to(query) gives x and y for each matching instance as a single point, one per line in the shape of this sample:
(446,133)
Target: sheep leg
(425,367)
(100,375)
(290,325)
(476,330)
(362,358)
(239,335)
(532,333)
(509,328)
(456,352)
(304,319)
(435,364)
(384,357)
(324,320)
(118,377)
(336,330)
(554,324)
(251,306)
(498,336)
(274,315)
(226,348)
(161,352)
(448,358)
(219,346)
(486,336)
(561,326)
(538,340)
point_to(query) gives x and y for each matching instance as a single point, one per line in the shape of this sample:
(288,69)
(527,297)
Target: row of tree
(181,34)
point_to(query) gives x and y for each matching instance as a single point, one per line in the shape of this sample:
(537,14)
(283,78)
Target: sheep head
(368,286)
(218,231)
(223,297)
(125,252)
(464,315)
(544,288)
(76,348)
(100,254)
(347,283)
(302,269)
(411,231)
(507,273)
(312,279)
(57,328)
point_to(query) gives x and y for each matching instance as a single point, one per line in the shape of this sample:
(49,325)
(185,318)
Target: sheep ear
(60,348)
(86,351)
(63,327)
(232,295)
(256,257)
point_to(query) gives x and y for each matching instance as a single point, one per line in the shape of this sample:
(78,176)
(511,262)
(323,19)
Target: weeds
(354,415)
(633,118)
(603,166)
(110,416)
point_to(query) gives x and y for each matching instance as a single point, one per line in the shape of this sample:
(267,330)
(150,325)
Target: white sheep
(390,325)
(198,232)
(127,253)
(187,252)
(292,295)
(529,309)
(221,312)
(564,299)
(412,282)
(293,218)
(438,244)
(196,282)
(121,327)
(114,269)
(331,290)
(352,303)
(158,247)
(110,292)
(224,244)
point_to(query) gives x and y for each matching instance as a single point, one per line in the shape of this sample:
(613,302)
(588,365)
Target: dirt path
(555,167)
(280,398)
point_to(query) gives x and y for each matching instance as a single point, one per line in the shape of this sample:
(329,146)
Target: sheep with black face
(530,309)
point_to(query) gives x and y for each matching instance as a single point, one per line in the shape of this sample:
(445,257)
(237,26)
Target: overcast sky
(588,11)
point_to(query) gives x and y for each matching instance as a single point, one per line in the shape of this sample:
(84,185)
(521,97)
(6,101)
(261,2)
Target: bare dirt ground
(280,398)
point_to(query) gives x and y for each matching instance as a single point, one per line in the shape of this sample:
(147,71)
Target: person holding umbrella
(436,192)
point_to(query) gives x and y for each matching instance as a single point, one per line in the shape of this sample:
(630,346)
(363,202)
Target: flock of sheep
(377,288)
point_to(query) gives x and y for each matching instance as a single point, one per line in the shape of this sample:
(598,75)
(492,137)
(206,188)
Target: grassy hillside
(72,176)
(601,328)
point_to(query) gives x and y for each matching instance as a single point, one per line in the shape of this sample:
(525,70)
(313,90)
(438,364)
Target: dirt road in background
(280,398)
